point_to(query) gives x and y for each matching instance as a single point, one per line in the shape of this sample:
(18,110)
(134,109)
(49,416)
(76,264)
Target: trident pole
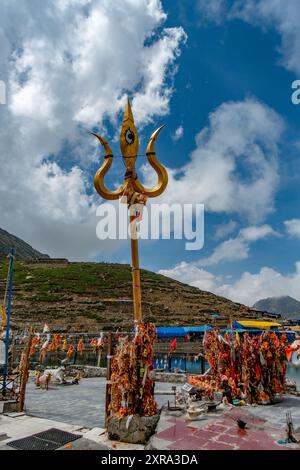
(135,269)
(8,313)
(133,192)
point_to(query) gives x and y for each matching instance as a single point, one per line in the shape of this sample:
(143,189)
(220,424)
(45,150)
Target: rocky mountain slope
(23,250)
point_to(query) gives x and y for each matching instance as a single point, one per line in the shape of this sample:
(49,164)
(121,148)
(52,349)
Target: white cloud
(234,167)
(154,97)
(178,134)
(212,10)
(247,289)
(282,15)
(266,283)
(69,64)
(293,227)
(223,230)
(254,233)
(237,248)
(81,61)
(190,274)
(230,250)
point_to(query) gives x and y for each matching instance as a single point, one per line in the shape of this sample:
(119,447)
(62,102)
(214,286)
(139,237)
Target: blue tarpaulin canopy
(180,331)
(291,335)
(234,330)
(170,331)
(197,329)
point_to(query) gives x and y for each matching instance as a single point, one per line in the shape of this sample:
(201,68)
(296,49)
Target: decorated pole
(108,377)
(138,393)
(8,314)
(24,370)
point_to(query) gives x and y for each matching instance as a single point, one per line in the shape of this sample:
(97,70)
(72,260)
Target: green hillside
(94,296)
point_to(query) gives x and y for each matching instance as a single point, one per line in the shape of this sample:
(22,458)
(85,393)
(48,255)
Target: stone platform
(80,408)
(219,431)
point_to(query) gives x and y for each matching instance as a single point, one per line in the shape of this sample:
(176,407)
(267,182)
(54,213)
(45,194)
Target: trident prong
(99,176)
(162,175)
(129,144)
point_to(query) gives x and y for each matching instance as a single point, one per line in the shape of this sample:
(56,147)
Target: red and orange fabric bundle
(80,346)
(132,390)
(254,364)
(70,351)
(35,342)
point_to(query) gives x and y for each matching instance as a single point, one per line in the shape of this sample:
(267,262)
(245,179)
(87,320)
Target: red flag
(173,344)
(289,353)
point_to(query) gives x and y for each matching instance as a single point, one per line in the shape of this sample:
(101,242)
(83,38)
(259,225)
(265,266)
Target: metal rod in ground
(108,377)
(8,314)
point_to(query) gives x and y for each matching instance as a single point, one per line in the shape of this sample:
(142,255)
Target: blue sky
(221,63)
(219,70)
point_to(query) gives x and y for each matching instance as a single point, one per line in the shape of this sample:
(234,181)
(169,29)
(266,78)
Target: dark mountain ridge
(287,306)
(23,251)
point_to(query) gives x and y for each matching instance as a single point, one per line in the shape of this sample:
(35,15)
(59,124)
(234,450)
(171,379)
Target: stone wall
(90,371)
(170,377)
(87,371)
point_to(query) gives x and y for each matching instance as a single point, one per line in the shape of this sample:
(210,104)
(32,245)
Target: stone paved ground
(219,431)
(276,414)
(82,404)
(18,425)
(77,404)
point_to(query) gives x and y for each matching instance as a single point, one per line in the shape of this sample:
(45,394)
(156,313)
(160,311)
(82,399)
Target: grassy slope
(93,296)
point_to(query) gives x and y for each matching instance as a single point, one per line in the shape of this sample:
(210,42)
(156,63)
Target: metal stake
(8,314)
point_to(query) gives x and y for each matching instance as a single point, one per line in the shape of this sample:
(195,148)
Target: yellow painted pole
(136,281)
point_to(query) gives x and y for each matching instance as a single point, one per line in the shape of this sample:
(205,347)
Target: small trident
(131,188)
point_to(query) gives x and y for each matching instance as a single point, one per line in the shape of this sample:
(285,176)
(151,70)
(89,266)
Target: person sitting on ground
(240,391)
(226,389)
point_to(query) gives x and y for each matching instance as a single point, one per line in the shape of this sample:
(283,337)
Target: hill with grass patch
(98,296)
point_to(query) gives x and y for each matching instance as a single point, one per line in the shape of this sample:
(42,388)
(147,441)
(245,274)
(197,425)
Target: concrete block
(135,430)
(9,406)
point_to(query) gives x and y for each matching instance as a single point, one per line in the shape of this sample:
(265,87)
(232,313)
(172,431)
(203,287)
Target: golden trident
(131,188)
